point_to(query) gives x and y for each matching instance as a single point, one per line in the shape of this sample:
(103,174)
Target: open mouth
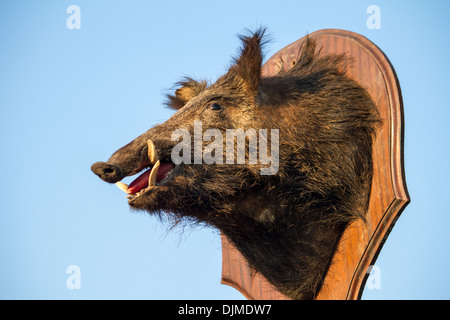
(158,174)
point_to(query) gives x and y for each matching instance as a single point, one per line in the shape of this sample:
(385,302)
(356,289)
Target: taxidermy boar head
(279,164)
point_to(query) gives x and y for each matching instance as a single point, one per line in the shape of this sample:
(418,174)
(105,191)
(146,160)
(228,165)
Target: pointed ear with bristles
(188,88)
(247,66)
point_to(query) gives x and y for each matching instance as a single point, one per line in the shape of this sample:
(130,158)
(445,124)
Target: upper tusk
(152,153)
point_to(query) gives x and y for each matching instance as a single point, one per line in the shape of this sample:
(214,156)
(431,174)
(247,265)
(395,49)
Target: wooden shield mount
(360,244)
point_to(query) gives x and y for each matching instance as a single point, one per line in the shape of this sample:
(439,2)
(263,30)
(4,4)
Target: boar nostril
(107,172)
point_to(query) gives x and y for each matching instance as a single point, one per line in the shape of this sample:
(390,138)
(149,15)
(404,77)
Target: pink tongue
(141,182)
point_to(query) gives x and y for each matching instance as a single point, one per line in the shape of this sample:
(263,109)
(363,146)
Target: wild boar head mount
(280,164)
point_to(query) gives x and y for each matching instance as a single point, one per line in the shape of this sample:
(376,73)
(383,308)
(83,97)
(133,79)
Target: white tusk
(122,186)
(152,153)
(152,177)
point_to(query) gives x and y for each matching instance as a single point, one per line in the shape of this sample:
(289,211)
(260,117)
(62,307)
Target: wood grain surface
(360,243)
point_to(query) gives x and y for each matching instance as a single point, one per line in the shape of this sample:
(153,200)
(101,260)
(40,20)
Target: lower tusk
(152,177)
(122,186)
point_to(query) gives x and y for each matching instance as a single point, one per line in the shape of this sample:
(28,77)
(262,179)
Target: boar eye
(215,107)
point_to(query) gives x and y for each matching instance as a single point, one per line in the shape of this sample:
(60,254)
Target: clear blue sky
(69,98)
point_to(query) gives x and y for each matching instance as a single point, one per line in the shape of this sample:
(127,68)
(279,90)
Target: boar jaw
(156,176)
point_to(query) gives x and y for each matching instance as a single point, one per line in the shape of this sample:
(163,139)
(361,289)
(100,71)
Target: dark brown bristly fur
(287,224)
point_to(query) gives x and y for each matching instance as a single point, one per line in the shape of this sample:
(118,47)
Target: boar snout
(108,172)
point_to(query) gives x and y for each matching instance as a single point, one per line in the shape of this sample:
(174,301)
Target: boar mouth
(159,173)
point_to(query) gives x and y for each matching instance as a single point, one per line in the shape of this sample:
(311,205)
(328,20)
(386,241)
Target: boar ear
(247,66)
(188,88)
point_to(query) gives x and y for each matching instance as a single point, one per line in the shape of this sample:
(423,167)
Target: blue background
(69,98)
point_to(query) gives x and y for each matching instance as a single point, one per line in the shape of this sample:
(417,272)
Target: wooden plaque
(360,243)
